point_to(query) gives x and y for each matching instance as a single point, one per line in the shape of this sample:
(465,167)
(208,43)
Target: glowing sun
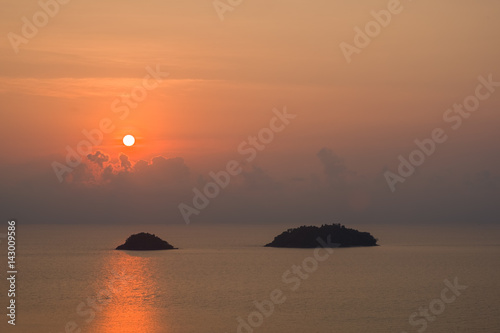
(128,140)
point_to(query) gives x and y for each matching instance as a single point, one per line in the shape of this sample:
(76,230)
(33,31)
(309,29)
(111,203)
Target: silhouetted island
(306,237)
(145,242)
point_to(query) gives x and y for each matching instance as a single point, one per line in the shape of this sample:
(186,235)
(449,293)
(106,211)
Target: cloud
(258,179)
(98,158)
(125,163)
(333,165)
(161,171)
(105,189)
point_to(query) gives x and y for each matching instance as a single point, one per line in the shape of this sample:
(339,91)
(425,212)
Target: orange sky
(225,78)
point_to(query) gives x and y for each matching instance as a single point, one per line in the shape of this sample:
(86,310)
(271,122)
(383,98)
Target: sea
(422,278)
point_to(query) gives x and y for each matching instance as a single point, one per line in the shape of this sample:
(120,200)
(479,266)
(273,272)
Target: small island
(306,237)
(145,242)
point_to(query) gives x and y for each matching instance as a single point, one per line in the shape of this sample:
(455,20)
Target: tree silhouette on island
(145,242)
(302,237)
(306,237)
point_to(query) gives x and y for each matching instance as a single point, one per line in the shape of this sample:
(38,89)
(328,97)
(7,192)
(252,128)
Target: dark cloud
(107,173)
(333,165)
(117,190)
(125,163)
(258,179)
(98,158)
(161,171)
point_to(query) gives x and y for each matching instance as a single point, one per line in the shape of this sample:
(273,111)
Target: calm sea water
(71,280)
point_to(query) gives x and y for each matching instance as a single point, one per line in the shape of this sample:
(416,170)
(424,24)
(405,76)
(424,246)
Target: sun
(128,140)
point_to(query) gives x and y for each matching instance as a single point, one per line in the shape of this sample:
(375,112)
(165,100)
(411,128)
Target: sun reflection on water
(129,295)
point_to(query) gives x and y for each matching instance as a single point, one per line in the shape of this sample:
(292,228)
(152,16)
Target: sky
(313,112)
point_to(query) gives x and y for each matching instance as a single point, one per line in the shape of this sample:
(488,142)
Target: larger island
(307,237)
(145,242)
